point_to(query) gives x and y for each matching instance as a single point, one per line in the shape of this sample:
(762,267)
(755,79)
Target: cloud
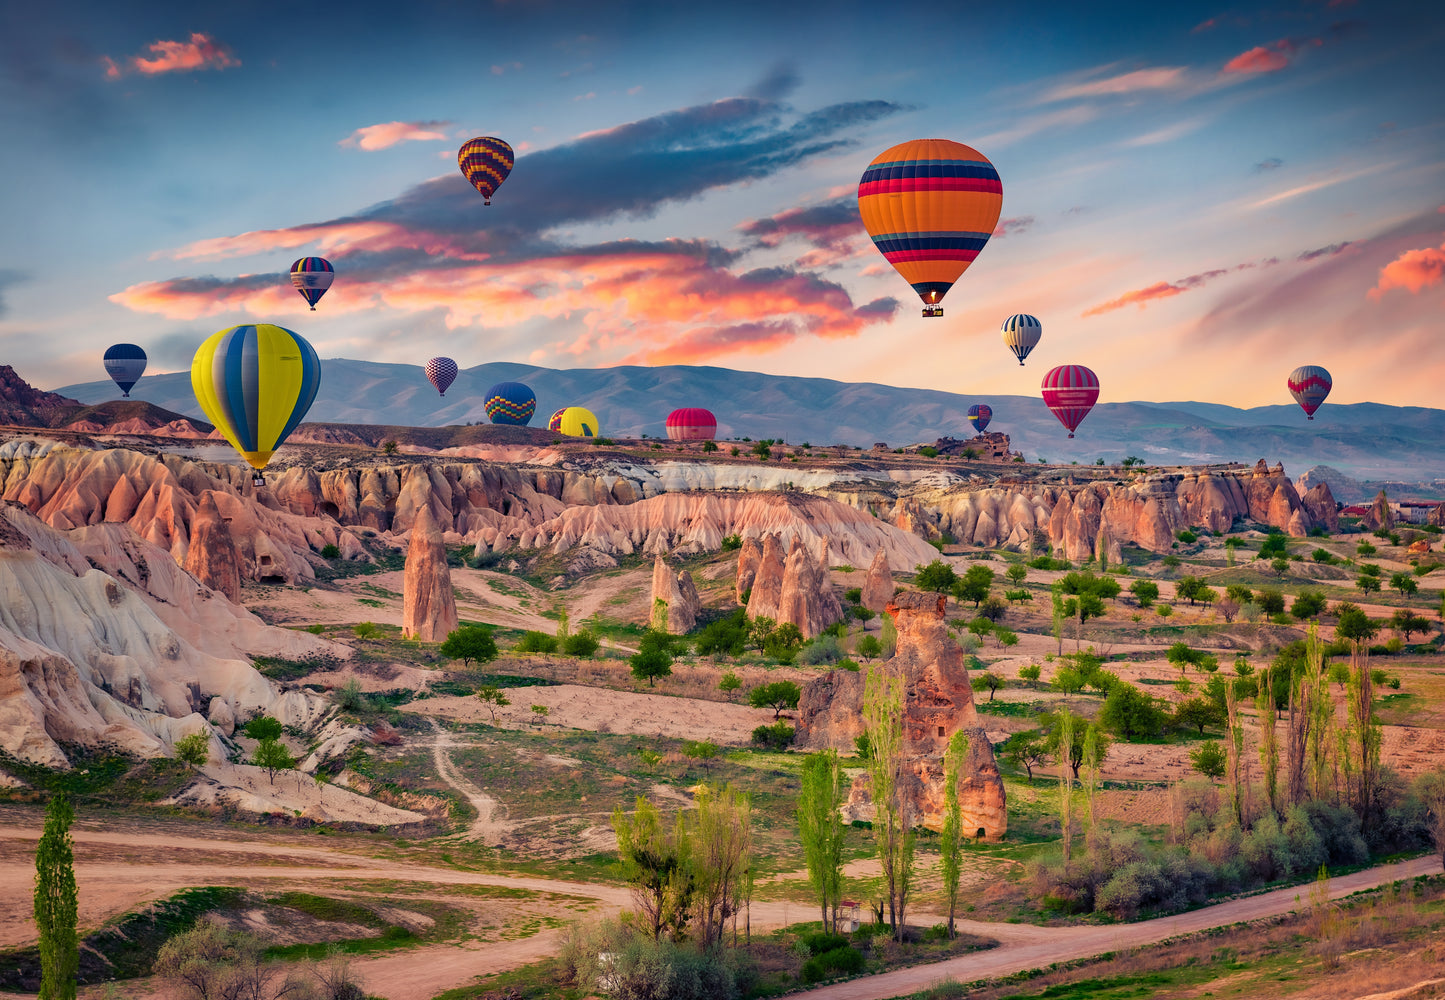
(8,279)
(1166,134)
(499,68)
(1270,58)
(1326,251)
(1318,185)
(1022,128)
(1014,226)
(388,134)
(1205,25)
(1162,290)
(778,83)
(1157,78)
(1273,163)
(1413,270)
(201,52)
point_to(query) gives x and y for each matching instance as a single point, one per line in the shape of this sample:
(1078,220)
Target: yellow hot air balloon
(578,421)
(255,383)
(930,206)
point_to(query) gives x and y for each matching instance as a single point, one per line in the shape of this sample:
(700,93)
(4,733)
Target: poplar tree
(892,817)
(1268,741)
(56,903)
(951,841)
(820,827)
(1066,784)
(1093,757)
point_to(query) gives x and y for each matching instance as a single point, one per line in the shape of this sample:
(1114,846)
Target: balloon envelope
(1309,385)
(691,423)
(1021,334)
(311,276)
(441,372)
(124,363)
(578,421)
(485,163)
(255,383)
(510,403)
(930,206)
(1071,392)
(979,414)
(554,423)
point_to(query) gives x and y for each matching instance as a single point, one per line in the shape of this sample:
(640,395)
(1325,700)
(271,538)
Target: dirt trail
(1063,944)
(488,827)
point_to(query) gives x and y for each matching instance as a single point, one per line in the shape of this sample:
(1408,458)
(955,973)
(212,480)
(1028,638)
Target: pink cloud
(1205,25)
(1413,270)
(1159,78)
(345,236)
(388,134)
(1012,227)
(1162,290)
(1269,58)
(201,52)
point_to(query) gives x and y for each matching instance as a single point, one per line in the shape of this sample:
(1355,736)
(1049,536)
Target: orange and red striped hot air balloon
(930,206)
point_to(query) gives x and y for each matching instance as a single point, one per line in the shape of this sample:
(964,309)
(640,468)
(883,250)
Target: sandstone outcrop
(1436,516)
(767,592)
(750,556)
(429,608)
(1324,511)
(679,593)
(212,557)
(808,598)
(938,701)
(1379,515)
(878,584)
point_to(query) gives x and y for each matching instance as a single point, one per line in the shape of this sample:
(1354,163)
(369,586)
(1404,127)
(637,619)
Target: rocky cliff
(794,588)
(678,593)
(429,608)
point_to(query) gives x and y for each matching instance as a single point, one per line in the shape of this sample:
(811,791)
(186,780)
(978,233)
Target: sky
(1197,197)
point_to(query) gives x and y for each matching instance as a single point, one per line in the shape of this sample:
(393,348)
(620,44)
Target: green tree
(974,585)
(468,643)
(760,630)
(492,696)
(581,643)
(1030,673)
(728,683)
(980,627)
(988,681)
(869,647)
(893,819)
(263,727)
(1064,735)
(272,756)
(1069,680)
(938,576)
(1404,583)
(1270,600)
(778,695)
(702,751)
(57,903)
(726,636)
(721,837)
(1189,587)
(653,658)
(762,450)
(1006,638)
(533,641)
(657,863)
(1209,759)
(1017,574)
(950,847)
(1368,584)
(820,828)
(1309,604)
(1028,751)
(1280,565)
(1354,625)
(1406,622)
(1146,592)
(1239,592)
(1196,713)
(1131,714)
(194,749)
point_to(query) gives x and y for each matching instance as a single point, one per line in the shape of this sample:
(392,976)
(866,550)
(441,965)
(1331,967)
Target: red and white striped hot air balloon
(1071,392)
(691,423)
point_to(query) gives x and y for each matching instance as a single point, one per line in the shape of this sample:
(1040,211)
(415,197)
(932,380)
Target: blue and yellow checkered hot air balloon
(255,383)
(510,403)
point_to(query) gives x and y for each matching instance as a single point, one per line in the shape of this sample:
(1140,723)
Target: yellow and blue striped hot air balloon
(255,383)
(485,162)
(930,206)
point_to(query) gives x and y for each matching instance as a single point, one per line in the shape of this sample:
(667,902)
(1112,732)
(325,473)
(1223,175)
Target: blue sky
(1197,197)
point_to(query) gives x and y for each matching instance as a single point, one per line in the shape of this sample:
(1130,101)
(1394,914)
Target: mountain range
(1365,440)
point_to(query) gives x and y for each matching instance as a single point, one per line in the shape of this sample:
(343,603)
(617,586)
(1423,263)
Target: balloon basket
(931,311)
(1071,434)
(257,479)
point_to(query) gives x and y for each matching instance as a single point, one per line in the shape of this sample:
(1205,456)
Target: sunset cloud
(1414,271)
(1326,251)
(1269,58)
(1162,290)
(1158,78)
(1014,226)
(201,52)
(388,134)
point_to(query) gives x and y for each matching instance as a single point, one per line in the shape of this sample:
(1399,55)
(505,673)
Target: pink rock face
(678,592)
(750,556)
(1320,502)
(878,585)
(807,598)
(212,557)
(429,609)
(768,583)
(1380,515)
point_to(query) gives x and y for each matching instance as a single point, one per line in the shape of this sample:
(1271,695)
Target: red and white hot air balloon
(691,423)
(1071,392)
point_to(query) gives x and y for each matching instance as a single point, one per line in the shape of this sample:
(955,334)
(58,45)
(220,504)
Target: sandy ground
(604,711)
(488,827)
(291,792)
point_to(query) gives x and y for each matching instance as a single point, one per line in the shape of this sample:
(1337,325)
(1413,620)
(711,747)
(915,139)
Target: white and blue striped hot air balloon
(124,363)
(1021,334)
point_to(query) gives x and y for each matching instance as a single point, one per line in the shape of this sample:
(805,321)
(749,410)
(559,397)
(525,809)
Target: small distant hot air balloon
(1309,385)
(255,383)
(1071,392)
(441,372)
(1021,335)
(485,163)
(578,421)
(930,206)
(510,403)
(311,276)
(979,414)
(691,423)
(124,363)
(554,423)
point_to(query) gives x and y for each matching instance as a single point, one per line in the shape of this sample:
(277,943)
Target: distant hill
(1364,440)
(22,405)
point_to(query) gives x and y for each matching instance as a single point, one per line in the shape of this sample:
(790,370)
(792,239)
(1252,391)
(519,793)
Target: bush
(778,736)
(731,542)
(330,551)
(824,649)
(536,642)
(853,595)
(194,749)
(468,643)
(583,644)
(843,961)
(349,697)
(1131,714)
(822,942)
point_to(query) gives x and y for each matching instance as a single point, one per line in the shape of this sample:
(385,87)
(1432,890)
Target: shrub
(1164,611)
(1186,536)
(1030,673)
(329,551)
(349,697)
(853,595)
(194,749)
(1308,604)
(536,642)
(824,649)
(732,542)
(582,643)
(822,942)
(838,962)
(775,737)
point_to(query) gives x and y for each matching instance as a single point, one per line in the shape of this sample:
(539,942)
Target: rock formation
(938,702)
(991,446)
(679,593)
(212,556)
(808,598)
(878,584)
(429,609)
(750,556)
(768,582)
(1379,514)
(1320,502)
(1436,516)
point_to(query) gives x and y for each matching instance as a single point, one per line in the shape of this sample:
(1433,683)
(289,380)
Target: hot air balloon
(578,421)
(510,403)
(1071,392)
(255,383)
(311,276)
(979,414)
(930,206)
(1021,335)
(124,363)
(485,163)
(691,423)
(1309,385)
(441,372)
(554,423)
